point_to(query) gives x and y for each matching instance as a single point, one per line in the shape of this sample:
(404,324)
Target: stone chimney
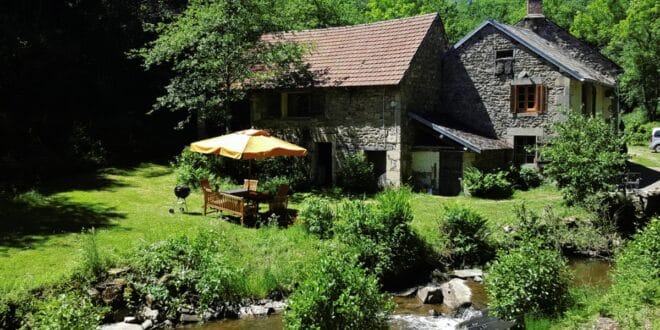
(534,8)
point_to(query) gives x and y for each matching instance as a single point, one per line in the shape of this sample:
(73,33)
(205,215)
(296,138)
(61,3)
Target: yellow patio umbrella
(247,144)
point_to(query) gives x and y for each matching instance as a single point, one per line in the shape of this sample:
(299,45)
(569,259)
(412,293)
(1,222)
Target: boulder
(149,314)
(467,273)
(438,276)
(112,294)
(276,306)
(189,318)
(405,293)
(430,294)
(606,323)
(118,271)
(121,326)
(253,311)
(130,319)
(147,324)
(456,294)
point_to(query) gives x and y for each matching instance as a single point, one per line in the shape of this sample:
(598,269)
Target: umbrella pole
(250,169)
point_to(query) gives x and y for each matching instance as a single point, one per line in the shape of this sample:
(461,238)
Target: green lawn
(644,156)
(129,207)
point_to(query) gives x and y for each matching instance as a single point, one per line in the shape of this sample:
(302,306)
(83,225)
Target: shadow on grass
(30,219)
(97,180)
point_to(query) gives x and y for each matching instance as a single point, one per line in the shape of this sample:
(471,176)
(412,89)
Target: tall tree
(213,48)
(628,32)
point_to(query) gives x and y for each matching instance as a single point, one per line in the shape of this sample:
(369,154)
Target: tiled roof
(550,51)
(362,55)
(472,141)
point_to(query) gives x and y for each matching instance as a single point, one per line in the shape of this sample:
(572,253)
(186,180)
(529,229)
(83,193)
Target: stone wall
(354,119)
(476,95)
(421,86)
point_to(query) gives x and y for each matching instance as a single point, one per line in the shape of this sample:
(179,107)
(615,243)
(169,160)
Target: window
(524,149)
(272,104)
(504,54)
(528,98)
(304,104)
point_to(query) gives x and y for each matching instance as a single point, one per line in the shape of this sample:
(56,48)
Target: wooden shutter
(541,98)
(513,98)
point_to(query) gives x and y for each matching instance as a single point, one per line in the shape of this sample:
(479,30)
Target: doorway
(450,173)
(324,164)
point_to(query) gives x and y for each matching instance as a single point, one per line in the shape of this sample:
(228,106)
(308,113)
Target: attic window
(504,54)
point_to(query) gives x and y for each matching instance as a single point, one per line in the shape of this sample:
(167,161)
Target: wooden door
(450,172)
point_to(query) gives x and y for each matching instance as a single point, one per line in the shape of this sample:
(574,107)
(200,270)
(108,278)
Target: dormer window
(504,62)
(504,54)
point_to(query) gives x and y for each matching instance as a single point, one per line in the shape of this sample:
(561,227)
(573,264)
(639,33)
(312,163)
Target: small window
(657,133)
(524,148)
(528,98)
(304,104)
(272,105)
(504,54)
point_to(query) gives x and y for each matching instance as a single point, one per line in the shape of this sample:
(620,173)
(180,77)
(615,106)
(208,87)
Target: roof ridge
(332,28)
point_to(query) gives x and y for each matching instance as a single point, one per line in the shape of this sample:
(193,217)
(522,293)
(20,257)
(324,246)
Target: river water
(411,314)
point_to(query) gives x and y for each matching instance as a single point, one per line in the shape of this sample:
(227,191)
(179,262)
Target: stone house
(421,111)
(511,83)
(365,79)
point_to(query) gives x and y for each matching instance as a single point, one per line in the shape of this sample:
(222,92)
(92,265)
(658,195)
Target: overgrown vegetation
(356,174)
(338,294)
(66,311)
(317,216)
(586,159)
(191,167)
(489,185)
(381,234)
(529,279)
(468,235)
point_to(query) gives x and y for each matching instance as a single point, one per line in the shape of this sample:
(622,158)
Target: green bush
(67,311)
(220,282)
(488,185)
(528,280)
(468,235)
(381,233)
(338,294)
(92,265)
(637,129)
(294,170)
(317,216)
(585,159)
(634,297)
(530,177)
(191,167)
(271,185)
(356,175)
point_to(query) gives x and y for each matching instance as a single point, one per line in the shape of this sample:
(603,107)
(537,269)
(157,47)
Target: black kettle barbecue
(181,193)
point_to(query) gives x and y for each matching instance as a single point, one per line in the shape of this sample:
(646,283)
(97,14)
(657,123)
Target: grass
(44,231)
(644,156)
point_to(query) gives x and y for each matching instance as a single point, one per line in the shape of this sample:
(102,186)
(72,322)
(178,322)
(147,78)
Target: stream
(411,314)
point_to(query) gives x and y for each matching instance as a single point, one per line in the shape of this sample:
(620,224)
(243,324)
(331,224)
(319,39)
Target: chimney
(534,8)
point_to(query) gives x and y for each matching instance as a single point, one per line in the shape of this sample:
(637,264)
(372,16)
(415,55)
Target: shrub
(220,282)
(338,294)
(528,280)
(489,185)
(634,296)
(190,167)
(67,311)
(381,233)
(585,158)
(296,170)
(468,235)
(356,174)
(317,216)
(530,177)
(271,185)
(92,265)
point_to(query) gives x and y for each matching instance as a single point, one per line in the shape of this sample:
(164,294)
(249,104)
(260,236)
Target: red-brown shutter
(514,99)
(541,98)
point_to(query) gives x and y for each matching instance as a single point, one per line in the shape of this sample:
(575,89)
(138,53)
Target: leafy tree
(585,158)
(629,33)
(213,47)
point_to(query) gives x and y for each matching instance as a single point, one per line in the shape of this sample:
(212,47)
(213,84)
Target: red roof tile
(361,55)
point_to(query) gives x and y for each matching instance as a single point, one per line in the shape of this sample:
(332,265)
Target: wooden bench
(226,203)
